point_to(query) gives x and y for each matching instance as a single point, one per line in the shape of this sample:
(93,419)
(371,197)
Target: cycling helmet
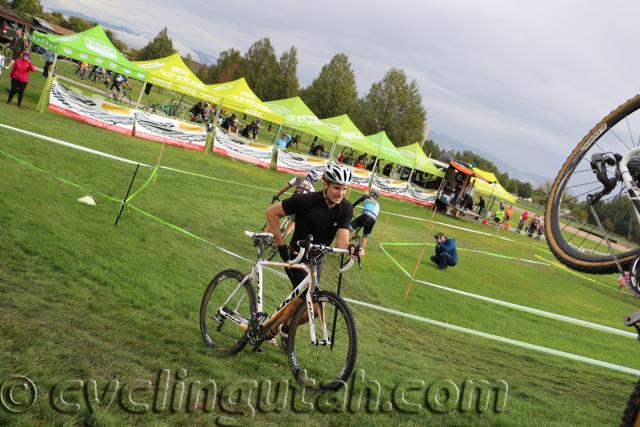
(374,193)
(337,174)
(313,176)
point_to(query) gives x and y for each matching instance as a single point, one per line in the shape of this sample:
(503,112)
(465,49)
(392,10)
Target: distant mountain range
(447,143)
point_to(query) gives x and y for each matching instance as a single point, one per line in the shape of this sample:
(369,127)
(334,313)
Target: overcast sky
(522,79)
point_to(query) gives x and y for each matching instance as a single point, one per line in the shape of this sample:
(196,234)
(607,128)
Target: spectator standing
(3,59)
(533,226)
(283,141)
(49,57)
(481,206)
(20,77)
(446,252)
(523,219)
(508,213)
(255,128)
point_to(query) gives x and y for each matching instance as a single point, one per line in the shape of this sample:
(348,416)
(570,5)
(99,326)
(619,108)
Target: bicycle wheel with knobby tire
(218,332)
(572,232)
(630,417)
(323,367)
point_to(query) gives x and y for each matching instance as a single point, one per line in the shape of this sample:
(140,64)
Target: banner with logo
(170,131)
(420,196)
(390,187)
(289,161)
(92,110)
(361,178)
(232,145)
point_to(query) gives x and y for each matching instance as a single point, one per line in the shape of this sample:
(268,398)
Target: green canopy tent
(298,116)
(492,188)
(172,73)
(91,46)
(345,133)
(237,95)
(382,147)
(419,160)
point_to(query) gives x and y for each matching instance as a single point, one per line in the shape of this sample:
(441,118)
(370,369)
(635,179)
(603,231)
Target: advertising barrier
(92,110)
(232,145)
(170,131)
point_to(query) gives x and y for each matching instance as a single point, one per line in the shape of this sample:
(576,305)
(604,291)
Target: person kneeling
(446,253)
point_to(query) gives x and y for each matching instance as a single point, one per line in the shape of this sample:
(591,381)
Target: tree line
(392,104)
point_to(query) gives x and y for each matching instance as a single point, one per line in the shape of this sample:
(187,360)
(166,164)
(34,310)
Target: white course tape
(517,343)
(74,146)
(519,307)
(444,224)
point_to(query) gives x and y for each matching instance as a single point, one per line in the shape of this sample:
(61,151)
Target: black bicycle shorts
(365,221)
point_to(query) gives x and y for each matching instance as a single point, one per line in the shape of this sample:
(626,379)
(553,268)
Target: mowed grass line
(65,242)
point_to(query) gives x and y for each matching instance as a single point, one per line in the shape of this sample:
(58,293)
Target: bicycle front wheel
(323,367)
(226,292)
(571,230)
(630,417)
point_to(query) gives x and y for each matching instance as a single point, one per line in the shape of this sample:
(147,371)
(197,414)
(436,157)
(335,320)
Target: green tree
(288,84)
(77,24)
(29,7)
(394,105)
(159,47)
(188,61)
(119,44)
(334,91)
(259,67)
(224,70)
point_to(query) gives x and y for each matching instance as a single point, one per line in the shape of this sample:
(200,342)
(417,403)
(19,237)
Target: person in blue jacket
(446,253)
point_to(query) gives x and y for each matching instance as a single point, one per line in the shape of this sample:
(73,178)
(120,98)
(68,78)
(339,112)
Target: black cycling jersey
(314,217)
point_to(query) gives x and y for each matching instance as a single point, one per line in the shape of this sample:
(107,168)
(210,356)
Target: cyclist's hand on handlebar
(284,253)
(276,197)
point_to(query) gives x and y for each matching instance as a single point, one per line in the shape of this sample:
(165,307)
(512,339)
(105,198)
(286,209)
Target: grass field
(85,300)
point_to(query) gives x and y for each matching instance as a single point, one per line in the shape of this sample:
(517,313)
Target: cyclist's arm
(342,238)
(360,200)
(274,214)
(284,188)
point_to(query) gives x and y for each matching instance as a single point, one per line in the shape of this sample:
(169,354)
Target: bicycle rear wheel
(571,230)
(218,332)
(323,367)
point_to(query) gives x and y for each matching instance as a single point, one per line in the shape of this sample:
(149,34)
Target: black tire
(630,416)
(221,334)
(566,253)
(323,368)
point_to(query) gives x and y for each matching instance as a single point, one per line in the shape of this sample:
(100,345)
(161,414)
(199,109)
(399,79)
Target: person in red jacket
(20,76)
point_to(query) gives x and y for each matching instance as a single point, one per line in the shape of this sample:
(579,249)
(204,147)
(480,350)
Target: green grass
(83,299)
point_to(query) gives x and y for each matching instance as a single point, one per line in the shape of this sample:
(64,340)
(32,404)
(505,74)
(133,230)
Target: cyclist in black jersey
(323,214)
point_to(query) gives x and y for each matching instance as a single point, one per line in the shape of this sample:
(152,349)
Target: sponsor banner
(420,196)
(291,162)
(94,111)
(390,187)
(232,145)
(361,178)
(170,131)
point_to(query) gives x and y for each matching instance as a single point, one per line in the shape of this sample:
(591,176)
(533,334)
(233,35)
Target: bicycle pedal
(256,347)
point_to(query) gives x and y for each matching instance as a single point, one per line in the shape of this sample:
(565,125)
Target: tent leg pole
(144,86)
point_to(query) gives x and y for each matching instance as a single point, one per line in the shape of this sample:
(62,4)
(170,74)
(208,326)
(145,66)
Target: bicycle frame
(309,283)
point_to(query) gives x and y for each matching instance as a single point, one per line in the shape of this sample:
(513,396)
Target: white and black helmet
(313,175)
(374,193)
(337,174)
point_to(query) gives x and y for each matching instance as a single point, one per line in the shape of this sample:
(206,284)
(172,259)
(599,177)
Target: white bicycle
(232,316)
